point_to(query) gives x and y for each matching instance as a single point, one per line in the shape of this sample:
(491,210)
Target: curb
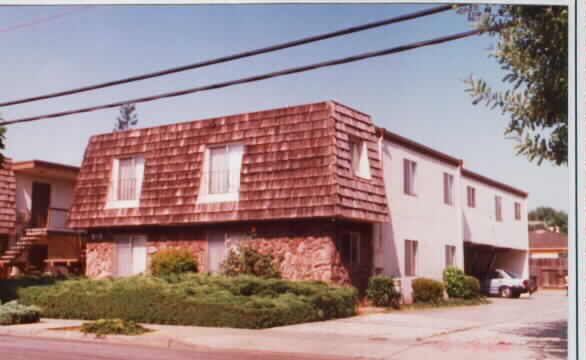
(160,341)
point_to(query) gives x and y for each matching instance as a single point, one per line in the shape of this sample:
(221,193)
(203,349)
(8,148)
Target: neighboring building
(37,195)
(319,186)
(443,214)
(548,258)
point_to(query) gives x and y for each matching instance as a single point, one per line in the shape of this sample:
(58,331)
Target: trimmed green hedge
(471,287)
(427,291)
(173,261)
(9,287)
(194,299)
(14,313)
(381,292)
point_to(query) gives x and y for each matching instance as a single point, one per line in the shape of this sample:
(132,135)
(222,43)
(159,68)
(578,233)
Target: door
(216,250)
(41,198)
(130,254)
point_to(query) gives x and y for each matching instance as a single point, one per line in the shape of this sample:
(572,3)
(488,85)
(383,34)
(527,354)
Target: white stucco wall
(423,217)
(480,225)
(61,192)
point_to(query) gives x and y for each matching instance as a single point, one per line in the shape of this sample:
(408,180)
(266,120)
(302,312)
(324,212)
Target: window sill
(122,204)
(362,178)
(214,198)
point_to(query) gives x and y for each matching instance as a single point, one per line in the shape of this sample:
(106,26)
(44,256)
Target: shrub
(381,291)
(454,281)
(14,313)
(9,287)
(249,261)
(427,291)
(172,261)
(104,327)
(471,288)
(195,299)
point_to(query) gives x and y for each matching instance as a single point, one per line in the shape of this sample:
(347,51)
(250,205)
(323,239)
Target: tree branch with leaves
(127,118)
(532,49)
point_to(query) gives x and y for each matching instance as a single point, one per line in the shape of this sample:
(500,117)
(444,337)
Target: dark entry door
(41,198)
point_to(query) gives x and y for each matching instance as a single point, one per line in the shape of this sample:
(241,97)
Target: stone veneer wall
(99,259)
(306,250)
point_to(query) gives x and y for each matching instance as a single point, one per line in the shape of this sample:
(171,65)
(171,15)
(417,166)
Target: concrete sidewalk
(359,340)
(527,328)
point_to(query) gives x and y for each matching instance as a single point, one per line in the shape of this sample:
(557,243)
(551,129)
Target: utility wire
(257,77)
(242,55)
(46,19)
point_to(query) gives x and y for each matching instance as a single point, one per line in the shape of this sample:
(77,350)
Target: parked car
(505,284)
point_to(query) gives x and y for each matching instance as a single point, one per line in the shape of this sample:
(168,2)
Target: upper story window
(359,154)
(221,173)
(409,170)
(448,189)
(498,208)
(517,211)
(471,196)
(126,186)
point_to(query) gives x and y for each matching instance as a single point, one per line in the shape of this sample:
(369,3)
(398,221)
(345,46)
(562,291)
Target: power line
(256,77)
(233,57)
(45,19)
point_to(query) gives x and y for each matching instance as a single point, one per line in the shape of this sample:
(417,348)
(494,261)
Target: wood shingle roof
(296,164)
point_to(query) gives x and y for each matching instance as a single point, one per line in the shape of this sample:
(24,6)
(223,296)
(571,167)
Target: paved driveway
(532,327)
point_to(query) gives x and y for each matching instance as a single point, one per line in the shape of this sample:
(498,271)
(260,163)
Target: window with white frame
(127,178)
(409,169)
(450,255)
(498,208)
(359,158)
(410,257)
(221,173)
(471,196)
(349,248)
(448,189)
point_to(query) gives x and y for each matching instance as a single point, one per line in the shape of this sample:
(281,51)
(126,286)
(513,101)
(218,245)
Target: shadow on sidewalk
(549,339)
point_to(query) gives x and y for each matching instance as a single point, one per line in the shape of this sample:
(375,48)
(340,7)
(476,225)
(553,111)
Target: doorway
(40,200)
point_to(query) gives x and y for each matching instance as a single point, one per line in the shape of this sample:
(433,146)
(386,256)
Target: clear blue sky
(418,94)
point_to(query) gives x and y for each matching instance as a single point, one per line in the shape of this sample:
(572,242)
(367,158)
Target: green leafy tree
(127,118)
(532,49)
(550,217)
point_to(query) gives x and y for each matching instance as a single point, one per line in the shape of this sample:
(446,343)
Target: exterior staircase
(10,257)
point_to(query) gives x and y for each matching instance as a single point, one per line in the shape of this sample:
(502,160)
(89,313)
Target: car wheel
(505,292)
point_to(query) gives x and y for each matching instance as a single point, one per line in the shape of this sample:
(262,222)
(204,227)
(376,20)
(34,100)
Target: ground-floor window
(450,255)
(410,257)
(349,247)
(131,254)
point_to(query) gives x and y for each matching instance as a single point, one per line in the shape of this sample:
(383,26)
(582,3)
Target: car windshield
(512,274)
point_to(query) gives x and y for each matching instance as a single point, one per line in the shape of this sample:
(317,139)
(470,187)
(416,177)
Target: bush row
(457,285)
(14,313)
(194,299)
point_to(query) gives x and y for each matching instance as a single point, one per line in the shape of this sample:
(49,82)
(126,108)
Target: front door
(130,254)
(216,250)
(41,198)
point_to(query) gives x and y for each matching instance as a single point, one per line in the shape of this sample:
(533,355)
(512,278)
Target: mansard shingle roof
(296,165)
